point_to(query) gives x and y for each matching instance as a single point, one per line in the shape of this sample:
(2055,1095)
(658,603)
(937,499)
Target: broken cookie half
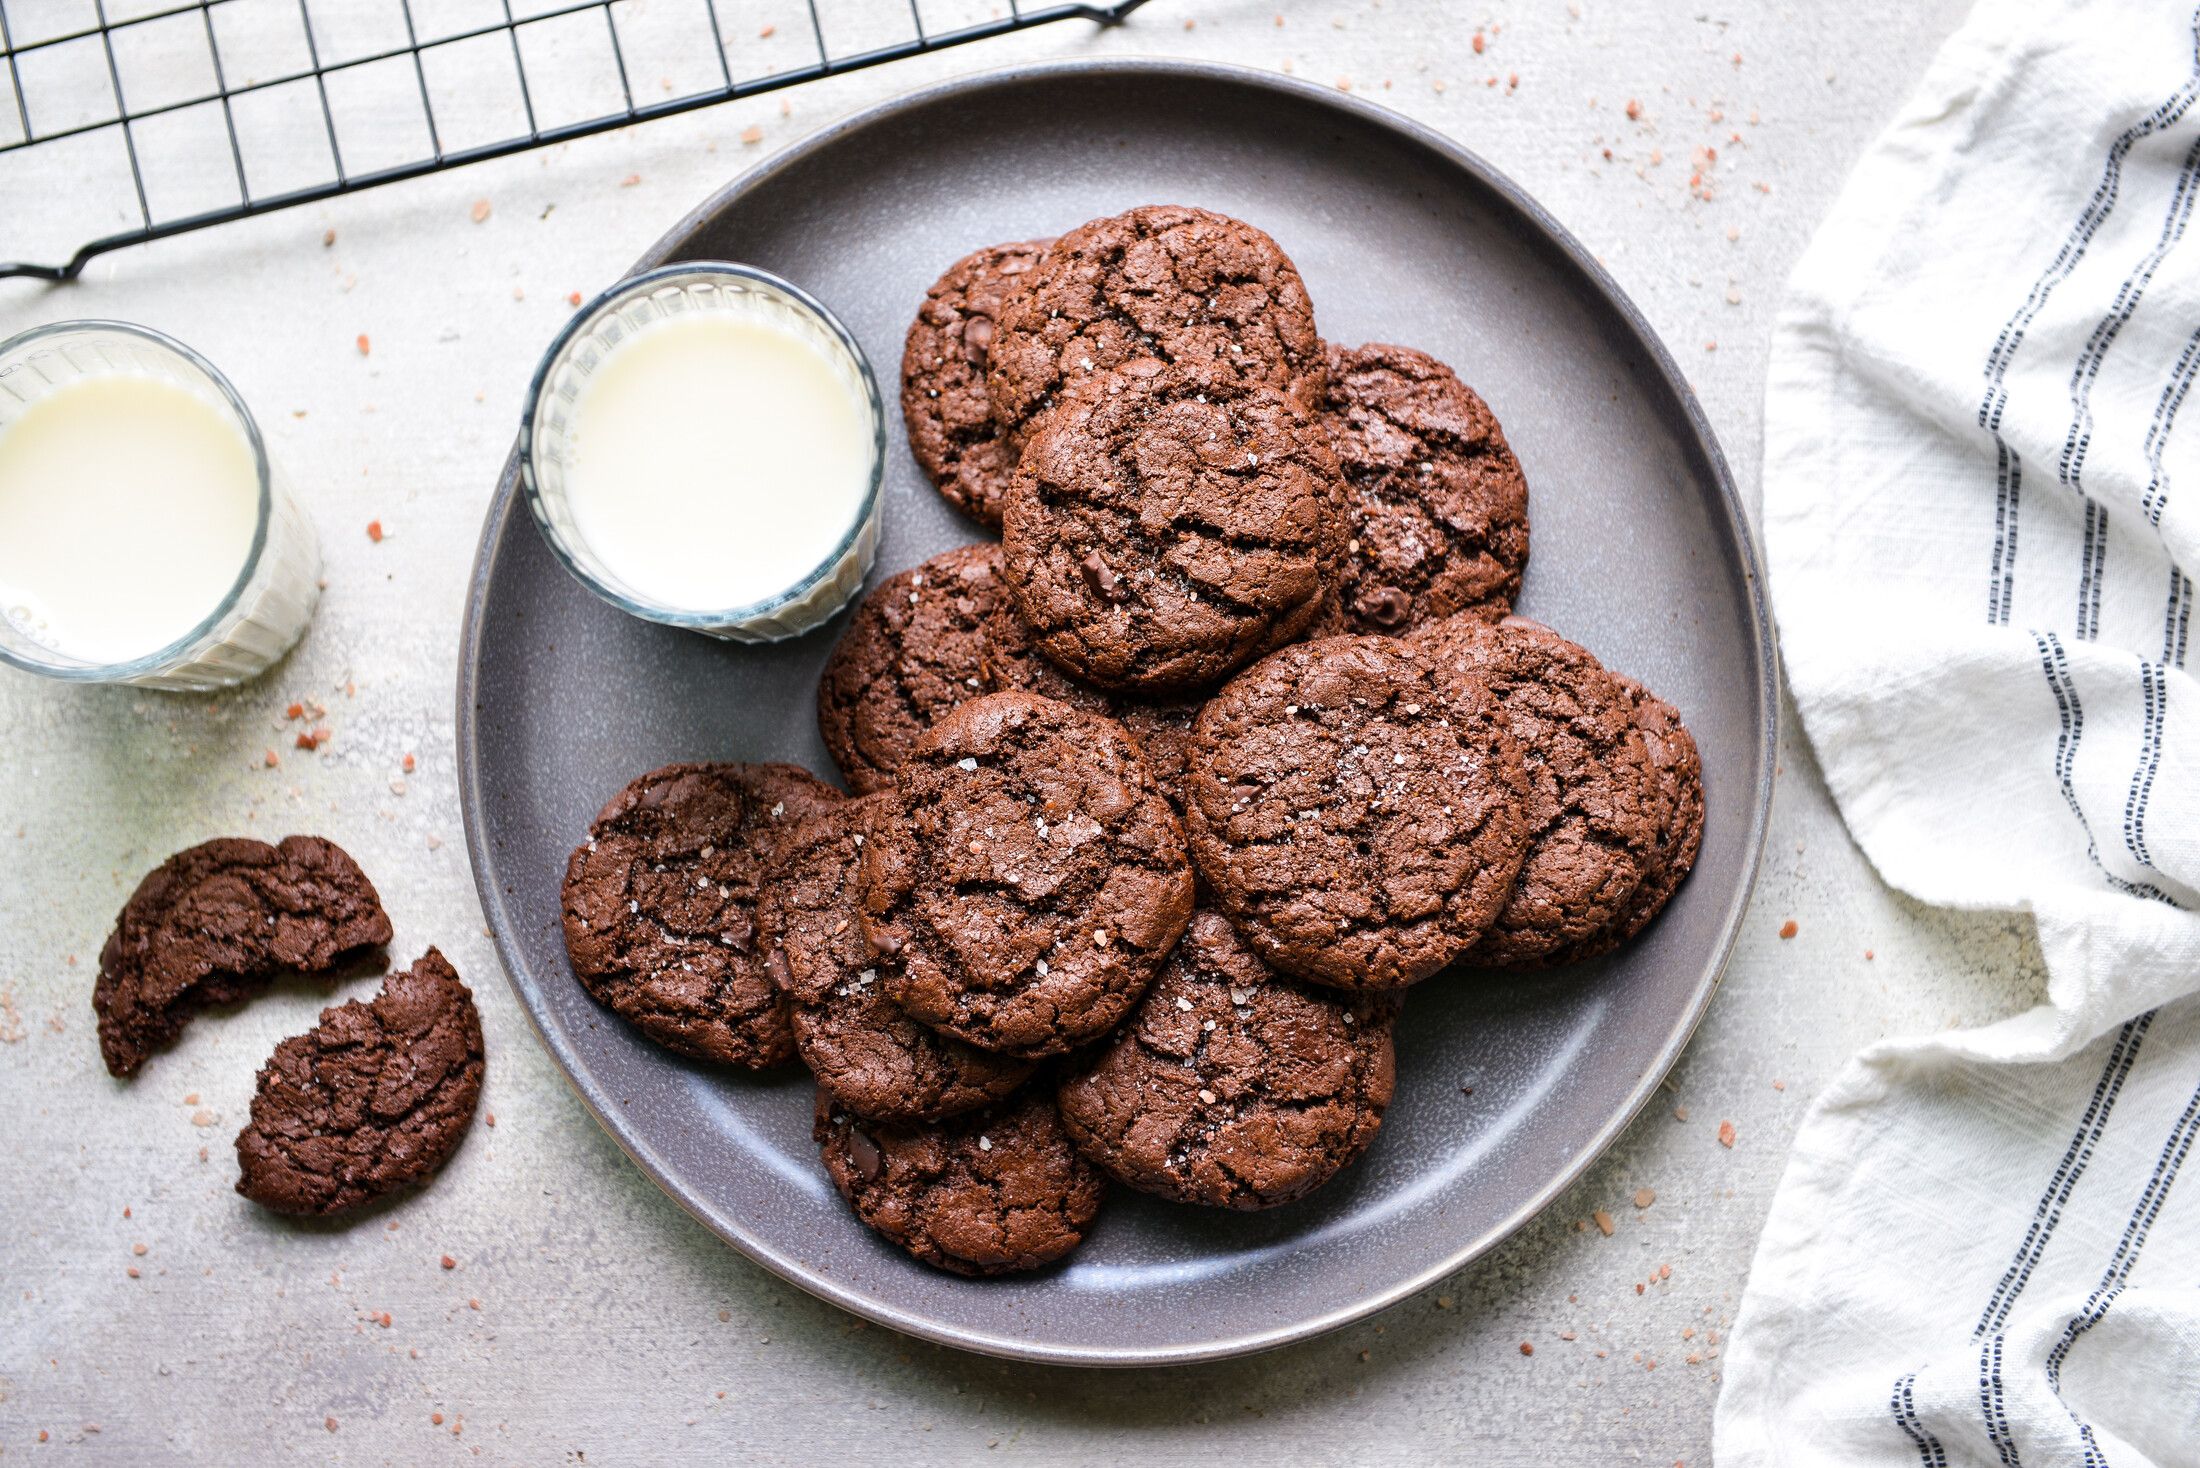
(376,1096)
(217,923)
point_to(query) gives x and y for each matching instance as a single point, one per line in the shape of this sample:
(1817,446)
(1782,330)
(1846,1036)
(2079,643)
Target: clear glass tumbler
(265,610)
(812,593)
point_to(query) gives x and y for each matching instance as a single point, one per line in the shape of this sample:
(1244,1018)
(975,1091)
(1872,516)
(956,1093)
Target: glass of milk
(144,537)
(703,447)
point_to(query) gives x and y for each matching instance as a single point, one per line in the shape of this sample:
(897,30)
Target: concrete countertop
(587,1314)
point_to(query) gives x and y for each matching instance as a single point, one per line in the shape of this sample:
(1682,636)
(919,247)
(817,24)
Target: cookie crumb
(1527,1348)
(449,1262)
(1726,1134)
(481,210)
(365,346)
(1604,1222)
(1788,929)
(1644,1197)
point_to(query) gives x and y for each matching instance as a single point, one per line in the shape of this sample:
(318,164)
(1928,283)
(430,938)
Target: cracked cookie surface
(374,1097)
(217,923)
(943,394)
(1595,805)
(1231,1085)
(1025,878)
(921,643)
(660,906)
(1357,817)
(1154,542)
(869,1056)
(1679,769)
(1212,297)
(989,1192)
(1436,505)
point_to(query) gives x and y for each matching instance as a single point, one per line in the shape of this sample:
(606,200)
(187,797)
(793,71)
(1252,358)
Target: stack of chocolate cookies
(1162,800)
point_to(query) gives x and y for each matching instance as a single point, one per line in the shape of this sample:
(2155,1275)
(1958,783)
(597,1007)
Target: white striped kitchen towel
(1979,499)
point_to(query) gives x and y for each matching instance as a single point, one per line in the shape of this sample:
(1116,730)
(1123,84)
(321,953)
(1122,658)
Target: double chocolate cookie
(1436,505)
(1358,817)
(997,1191)
(1025,878)
(943,393)
(1231,1085)
(1679,769)
(1210,296)
(921,643)
(660,906)
(374,1097)
(1155,541)
(1595,806)
(216,924)
(870,1057)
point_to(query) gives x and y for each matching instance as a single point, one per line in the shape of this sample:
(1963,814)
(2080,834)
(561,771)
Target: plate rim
(882,1311)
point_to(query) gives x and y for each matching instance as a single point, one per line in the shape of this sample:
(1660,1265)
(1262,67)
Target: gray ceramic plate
(1641,552)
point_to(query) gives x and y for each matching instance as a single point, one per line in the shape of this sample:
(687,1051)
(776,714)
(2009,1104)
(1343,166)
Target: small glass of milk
(144,536)
(703,447)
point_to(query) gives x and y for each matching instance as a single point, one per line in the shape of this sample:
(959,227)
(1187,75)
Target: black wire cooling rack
(165,116)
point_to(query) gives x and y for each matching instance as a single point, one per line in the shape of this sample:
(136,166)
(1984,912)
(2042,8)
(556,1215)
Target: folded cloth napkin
(1978,500)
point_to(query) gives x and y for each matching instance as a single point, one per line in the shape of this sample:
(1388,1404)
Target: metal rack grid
(57,55)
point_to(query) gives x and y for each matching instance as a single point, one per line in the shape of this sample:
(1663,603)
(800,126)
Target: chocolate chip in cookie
(943,394)
(873,1059)
(660,906)
(216,924)
(921,643)
(1154,542)
(1231,1085)
(998,1191)
(1025,878)
(1211,297)
(1436,505)
(374,1097)
(1595,806)
(1358,817)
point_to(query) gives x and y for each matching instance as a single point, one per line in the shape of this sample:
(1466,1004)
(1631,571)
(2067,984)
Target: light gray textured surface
(607,1322)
